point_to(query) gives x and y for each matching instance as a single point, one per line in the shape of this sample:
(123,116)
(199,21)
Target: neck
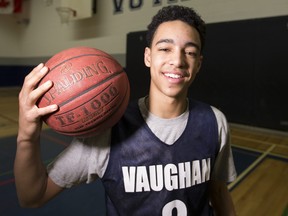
(166,107)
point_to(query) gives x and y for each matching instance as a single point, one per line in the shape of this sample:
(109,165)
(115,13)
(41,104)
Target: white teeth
(174,76)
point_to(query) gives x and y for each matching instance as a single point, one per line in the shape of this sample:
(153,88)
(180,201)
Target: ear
(147,57)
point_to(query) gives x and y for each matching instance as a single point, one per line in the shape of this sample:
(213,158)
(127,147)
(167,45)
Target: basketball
(91,89)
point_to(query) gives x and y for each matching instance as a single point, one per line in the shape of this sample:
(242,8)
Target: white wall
(45,35)
(9,36)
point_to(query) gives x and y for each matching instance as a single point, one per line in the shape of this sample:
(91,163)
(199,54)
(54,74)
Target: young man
(167,154)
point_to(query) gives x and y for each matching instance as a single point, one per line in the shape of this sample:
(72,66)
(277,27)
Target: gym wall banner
(137,4)
(10,6)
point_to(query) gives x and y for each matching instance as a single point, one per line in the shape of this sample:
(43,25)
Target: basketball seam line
(91,87)
(51,69)
(82,132)
(85,101)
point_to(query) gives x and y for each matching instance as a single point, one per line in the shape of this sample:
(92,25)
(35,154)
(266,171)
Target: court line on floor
(53,139)
(12,180)
(44,135)
(251,167)
(9,181)
(257,141)
(248,148)
(9,119)
(278,155)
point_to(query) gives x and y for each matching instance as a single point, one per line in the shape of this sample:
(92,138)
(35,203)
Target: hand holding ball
(91,89)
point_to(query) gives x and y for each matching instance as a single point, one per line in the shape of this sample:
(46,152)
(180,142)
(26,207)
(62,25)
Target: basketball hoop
(65,14)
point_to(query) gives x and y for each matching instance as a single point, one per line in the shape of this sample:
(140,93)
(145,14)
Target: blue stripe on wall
(13,75)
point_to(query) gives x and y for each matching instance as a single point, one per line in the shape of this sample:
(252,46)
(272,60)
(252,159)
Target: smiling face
(174,59)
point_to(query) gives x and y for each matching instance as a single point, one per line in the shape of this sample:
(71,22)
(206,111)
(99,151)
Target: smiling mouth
(173,76)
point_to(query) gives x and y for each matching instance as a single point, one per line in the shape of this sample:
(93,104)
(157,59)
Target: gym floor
(261,159)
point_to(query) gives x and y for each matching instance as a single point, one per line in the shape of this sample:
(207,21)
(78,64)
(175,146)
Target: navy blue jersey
(145,176)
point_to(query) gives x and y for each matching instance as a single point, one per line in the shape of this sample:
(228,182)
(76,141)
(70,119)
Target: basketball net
(65,14)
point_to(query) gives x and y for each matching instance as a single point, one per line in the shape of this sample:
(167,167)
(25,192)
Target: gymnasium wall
(44,35)
(24,44)
(244,71)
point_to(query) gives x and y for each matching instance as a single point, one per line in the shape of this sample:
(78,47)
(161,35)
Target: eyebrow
(172,42)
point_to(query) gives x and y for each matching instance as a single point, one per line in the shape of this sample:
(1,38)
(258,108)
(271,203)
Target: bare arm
(32,183)
(221,199)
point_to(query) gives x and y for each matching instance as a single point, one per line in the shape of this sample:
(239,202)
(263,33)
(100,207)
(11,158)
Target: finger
(33,78)
(39,92)
(48,110)
(35,70)
(28,77)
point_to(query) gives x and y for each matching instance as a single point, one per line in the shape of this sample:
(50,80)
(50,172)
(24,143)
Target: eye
(164,49)
(193,54)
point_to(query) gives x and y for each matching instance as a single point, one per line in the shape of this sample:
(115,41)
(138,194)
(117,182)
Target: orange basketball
(91,89)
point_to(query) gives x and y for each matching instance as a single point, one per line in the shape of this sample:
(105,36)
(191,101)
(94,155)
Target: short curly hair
(177,12)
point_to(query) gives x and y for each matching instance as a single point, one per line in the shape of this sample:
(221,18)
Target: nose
(178,59)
